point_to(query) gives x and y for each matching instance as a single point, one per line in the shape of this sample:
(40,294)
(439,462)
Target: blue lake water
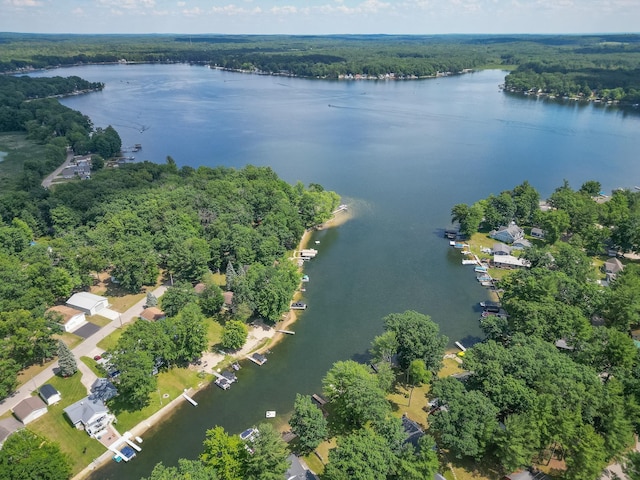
(400,153)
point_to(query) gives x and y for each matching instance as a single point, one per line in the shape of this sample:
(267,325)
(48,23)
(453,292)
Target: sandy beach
(261,337)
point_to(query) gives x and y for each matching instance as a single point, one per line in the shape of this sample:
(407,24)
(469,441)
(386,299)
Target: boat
(465,252)
(484,277)
(481,269)
(469,262)
(489,303)
(298,306)
(270,414)
(223,383)
(305,278)
(487,283)
(235,366)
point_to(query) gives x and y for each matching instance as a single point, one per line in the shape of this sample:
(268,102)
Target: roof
(83,410)
(521,243)
(152,314)
(8,426)
(537,232)
(297,470)
(412,431)
(103,389)
(47,391)
(512,232)
(613,265)
(527,475)
(67,312)
(27,406)
(86,300)
(510,260)
(501,247)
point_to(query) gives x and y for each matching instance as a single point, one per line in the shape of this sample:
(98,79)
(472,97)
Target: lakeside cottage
(507,234)
(537,233)
(501,249)
(89,415)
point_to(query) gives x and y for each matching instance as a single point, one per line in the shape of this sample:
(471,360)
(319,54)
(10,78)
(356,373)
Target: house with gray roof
(7,427)
(521,244)
(537,233)
(90,415)
(30,409)
(612,268)
(507,234)
(103,389)
(298,470)
(88,302)
(501,249)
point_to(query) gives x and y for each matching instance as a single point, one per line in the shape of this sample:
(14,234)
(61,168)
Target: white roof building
(509,261)
(88,302)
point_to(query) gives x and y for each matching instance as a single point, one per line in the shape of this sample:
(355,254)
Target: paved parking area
(86,330)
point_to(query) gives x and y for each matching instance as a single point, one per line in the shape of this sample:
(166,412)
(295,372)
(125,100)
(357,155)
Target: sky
(320,16)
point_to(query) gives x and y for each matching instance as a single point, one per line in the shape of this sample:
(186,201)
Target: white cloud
(181,4)
(23,3)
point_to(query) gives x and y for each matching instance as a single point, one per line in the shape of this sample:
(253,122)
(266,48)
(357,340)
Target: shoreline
(261,337)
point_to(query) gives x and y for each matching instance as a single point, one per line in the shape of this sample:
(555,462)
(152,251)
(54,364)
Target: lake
(400,153)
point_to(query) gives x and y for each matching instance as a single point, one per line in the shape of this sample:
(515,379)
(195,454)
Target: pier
(288,332)
(189,399)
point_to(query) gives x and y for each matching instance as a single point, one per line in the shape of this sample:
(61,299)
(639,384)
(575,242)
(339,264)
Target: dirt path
(46,183)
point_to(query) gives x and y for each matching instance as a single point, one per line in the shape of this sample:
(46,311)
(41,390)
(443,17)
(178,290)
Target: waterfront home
(521,244)
(501,249)
(90,415)
(88,302)
(507,234)
(30,409)
(612,268)
(412,431)
(509,261)
(49,394)
(69,318)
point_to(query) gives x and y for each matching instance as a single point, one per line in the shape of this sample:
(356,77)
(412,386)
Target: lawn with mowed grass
(110,341)
(18,149)
(171,383)
(55,426)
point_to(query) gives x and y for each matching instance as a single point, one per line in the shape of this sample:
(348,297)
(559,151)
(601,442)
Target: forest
(603,67)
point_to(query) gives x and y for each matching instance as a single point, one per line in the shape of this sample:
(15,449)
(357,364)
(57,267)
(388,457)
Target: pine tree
(152,301)
(230,275)
(66,360)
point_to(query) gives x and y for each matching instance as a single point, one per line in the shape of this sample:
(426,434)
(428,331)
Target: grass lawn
(93,366)
(54,426)
(69,339)
(99,320)
(312,459)
(18,150)
(214,332)
(123,302)
(109,342)
(450,367)
(172,383)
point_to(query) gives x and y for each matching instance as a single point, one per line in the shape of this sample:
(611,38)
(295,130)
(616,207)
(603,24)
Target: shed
(49,394)
(258,358)
(152,314)
(71,318)
(30,409)
(88,302)
(7,427)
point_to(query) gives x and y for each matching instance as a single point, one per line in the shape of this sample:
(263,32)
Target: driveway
(86,330)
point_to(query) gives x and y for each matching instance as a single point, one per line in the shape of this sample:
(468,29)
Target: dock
(341,208)
(460,346)
(189,399)
(318,399)
(258,359)
(288,332)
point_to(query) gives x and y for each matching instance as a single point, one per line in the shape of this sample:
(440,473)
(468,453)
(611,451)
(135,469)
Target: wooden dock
(460,346)
(189,399)
(318,399)
(288,332)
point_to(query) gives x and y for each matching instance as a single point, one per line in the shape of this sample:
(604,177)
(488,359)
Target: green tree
(66,360)
(269,458)
(26,456)
(418,337)
(554,223)
(176,297)
(418,372)
(234,335)
(188,332)
(211,300)
(186,470)
(152,301)
(355,394)
(135,382)
(308,423)
(362,455)
(587,456)
(225,455)
(9,369)
(420,463)
(188,259)
(632,465)
(384,347)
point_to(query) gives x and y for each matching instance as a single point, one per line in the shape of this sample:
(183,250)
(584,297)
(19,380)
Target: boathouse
(258,358)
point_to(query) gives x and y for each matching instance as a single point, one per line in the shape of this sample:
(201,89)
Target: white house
(49,394)
(88,302)
(71,318)
(30,409)
(90,415)
(507,234)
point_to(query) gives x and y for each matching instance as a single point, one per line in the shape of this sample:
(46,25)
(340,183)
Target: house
(612,268)
(49,394)
(527,475)
(501,249)
(70,318)
(508,234)
(30,409)
(102,389)
(412,431)
(521,244)
(7,427)
(298,470)
(509,261)
(88,302)
(89,415)
(152,314)
(537,233)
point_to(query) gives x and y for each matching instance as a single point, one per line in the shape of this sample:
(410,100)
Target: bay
(400,153)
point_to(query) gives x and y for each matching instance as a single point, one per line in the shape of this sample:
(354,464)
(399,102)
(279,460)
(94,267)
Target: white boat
(468,262)
(270,414)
